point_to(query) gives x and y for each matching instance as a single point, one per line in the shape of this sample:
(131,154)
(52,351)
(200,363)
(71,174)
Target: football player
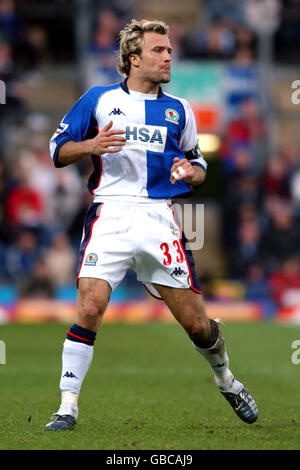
(143,143)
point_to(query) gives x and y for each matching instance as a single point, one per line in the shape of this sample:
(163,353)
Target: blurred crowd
(261,209)
(39,206)
(42,209)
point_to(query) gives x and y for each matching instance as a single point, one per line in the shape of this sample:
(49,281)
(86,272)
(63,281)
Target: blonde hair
(131,40)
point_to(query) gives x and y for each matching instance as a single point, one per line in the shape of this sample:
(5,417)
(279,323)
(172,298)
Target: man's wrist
(199,176)
(87,147)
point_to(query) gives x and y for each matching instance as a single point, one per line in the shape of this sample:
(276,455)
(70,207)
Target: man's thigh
(107,246)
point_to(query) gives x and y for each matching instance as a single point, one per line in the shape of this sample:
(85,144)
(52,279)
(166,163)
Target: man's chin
(165,78)
(161,78)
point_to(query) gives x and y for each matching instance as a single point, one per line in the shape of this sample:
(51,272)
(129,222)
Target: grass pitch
(148,388)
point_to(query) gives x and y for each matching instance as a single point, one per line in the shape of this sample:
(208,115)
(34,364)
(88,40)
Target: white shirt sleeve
(189,140)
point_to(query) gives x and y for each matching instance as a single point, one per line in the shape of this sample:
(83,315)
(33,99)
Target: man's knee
(93,297)
(198,327)
(90,307)
(194,320)
(205,335)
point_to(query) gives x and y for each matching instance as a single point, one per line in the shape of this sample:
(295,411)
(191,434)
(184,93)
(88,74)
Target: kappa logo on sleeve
(152,138)
(91,259)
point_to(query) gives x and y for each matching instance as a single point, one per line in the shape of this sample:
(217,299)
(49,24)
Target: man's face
(154,64)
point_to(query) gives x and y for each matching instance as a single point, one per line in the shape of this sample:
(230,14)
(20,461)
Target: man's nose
(167,57)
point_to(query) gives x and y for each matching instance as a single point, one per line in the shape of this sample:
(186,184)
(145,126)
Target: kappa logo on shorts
(91,259)
(178,272)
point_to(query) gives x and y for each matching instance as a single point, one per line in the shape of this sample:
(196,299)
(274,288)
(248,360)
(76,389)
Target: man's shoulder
(171,97)
(96,91)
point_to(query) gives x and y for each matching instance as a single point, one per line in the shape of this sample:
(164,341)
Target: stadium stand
(252,222)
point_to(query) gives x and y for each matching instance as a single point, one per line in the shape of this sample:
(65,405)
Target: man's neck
(146,87)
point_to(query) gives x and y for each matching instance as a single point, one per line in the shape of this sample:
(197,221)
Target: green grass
(148,388)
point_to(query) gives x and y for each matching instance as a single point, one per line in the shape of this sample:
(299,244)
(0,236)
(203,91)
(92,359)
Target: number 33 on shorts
(167,255)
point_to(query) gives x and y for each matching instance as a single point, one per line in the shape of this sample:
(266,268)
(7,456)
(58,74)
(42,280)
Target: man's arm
(191,169)
(197,178)
(106,141)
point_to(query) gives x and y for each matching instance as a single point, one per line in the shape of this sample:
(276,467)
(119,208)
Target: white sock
(228,383)
(68,404)
(76,360)
(216,356)
(218,360)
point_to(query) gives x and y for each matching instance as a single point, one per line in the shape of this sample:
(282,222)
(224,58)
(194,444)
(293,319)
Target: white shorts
(144,237)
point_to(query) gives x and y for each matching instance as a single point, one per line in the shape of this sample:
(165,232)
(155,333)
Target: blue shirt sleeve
(76,124)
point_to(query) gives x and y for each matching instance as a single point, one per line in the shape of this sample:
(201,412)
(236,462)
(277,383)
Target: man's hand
(183,170)
(107,141)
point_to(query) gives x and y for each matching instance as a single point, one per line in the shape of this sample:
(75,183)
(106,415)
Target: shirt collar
(125,88)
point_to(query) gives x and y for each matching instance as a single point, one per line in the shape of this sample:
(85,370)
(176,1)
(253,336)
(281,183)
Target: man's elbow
(57,159)
(58,163)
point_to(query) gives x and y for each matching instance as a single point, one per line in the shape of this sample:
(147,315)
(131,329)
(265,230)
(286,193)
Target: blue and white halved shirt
(158,129)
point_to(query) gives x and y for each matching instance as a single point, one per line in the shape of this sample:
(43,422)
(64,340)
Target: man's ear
(135,60)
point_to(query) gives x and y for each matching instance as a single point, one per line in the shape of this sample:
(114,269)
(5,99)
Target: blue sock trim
(81,335)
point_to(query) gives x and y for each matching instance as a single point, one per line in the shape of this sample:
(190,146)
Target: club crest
(171,115)
(91,259)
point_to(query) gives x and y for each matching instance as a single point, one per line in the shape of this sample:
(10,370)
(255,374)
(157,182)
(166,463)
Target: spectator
(106,33)
(9,24)
(59,192)
(290,154)
(24,204)
(285,282)
(22,255)
(244,38)
(281,236)
(103,47)
(247,251)
(247,129)
(275,179)
(230,10)
(216,41)
(238,191)
(67,197)
(38,283)
(177,36)
(6,61)
(238,163)
(60,261)
(241,81)
(256,284)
